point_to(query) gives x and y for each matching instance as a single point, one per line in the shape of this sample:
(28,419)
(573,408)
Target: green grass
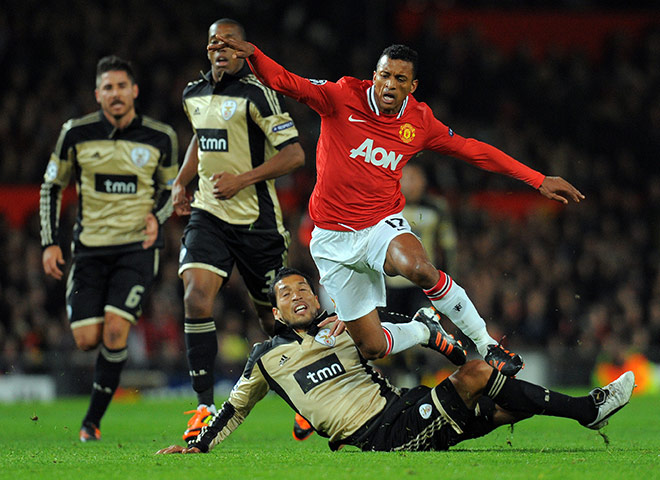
(41,441)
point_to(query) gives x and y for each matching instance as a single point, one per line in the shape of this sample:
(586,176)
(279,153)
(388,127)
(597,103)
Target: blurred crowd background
(570,88)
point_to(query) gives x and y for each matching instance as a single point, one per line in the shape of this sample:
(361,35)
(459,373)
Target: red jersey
(361,151)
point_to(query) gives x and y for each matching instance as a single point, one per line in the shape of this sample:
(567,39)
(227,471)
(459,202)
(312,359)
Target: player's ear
(136,91)
(276,314)
(96,95)
(414,85)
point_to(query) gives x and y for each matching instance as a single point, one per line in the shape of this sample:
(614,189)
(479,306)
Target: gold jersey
(323,377)
(240,124)
(120,175)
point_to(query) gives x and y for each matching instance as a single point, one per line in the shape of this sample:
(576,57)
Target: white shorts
(351,264)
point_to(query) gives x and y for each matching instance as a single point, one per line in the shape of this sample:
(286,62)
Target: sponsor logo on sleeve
(319,372)
(51,171)
(282,126)
(314,81)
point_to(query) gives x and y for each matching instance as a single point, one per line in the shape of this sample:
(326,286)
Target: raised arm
(318,95)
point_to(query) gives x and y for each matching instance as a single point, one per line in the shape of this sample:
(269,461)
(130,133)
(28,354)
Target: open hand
(178,449)
(556,188)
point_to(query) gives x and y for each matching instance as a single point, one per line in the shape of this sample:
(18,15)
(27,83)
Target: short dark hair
(113,63)
(402,52)
(231,21)
(283,273)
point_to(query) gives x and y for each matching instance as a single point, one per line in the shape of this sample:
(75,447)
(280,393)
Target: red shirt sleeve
(320,95)
(480,154)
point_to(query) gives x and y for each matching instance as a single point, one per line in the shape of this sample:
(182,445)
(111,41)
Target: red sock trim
(389,340)
(440,289)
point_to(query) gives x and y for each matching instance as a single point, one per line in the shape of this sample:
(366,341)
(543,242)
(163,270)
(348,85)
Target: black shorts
(114,282)
(212,244)
(413,422)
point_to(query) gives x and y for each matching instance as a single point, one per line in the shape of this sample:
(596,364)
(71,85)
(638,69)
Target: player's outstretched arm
(242,49)
(556,188)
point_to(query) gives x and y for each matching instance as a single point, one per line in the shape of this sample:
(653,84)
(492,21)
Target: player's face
(393,81)
(116,94)
(297,306)
(222,60)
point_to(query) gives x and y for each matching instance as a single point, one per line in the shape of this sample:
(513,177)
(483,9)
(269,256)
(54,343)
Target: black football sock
(521,396)
(202,348)
(109,365)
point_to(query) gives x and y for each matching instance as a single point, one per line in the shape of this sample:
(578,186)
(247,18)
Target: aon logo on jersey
(377,156)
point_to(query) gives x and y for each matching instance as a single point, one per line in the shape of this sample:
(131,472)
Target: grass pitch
(40,440)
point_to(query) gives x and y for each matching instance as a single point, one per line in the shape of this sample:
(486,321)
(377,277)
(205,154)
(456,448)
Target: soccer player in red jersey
(369,130)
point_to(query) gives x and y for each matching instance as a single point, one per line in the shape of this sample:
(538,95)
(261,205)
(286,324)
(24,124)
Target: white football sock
(402,336)
(451,300)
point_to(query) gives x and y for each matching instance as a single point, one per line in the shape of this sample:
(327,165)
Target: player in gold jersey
(327,380)
(123,165)
(243,139)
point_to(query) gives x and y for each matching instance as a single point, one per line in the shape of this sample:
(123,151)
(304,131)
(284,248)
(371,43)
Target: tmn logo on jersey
(115,183)
(376,156)
(319,372)
(212,140)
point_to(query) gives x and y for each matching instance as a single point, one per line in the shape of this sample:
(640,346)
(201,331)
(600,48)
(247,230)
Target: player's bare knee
(86,343)
(197,302)
(372,350)
(114,338)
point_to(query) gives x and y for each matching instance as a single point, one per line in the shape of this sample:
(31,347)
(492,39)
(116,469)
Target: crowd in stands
(581,282)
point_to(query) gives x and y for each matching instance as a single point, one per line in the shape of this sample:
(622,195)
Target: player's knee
(88,337)
(372,349)
(197,302)
(473,376)
(115,332)
(87,342)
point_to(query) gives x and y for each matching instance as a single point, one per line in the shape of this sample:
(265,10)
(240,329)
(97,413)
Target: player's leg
(406,256)
(204,264)
(201,286)
(345,261)
(85,304)
(110,362)
(477,378)
(126,278)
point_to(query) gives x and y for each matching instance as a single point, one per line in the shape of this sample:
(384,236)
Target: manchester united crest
(407,133)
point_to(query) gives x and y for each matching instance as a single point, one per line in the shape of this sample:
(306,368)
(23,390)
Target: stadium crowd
(581,282)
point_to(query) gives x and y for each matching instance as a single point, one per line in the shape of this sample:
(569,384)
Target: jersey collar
(371,99)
